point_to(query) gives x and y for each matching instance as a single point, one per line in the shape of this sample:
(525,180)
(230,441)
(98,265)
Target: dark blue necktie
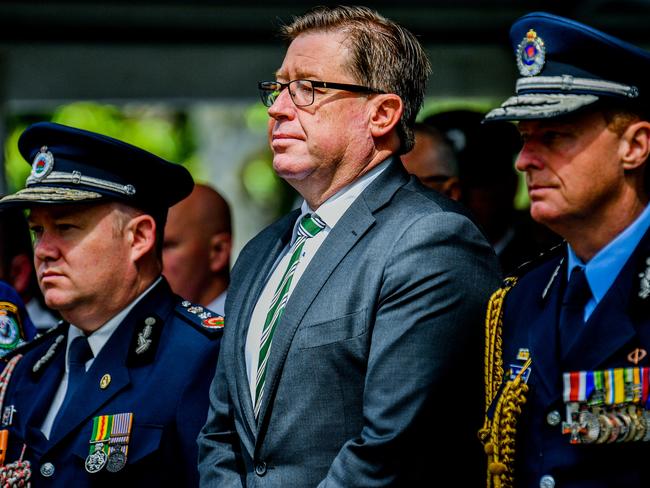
(78,354)
(576,296)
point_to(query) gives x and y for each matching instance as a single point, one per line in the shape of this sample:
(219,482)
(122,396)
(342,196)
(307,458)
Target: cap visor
(539,106)
(45,194)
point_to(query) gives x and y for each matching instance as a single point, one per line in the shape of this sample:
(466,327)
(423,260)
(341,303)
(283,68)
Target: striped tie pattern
(310,225)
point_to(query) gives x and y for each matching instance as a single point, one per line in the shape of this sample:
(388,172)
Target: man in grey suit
(354,324)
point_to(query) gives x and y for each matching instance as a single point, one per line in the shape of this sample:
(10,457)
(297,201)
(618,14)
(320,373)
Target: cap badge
(43,164)
(531,54)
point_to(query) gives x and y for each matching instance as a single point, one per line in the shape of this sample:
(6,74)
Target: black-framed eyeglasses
(302,91)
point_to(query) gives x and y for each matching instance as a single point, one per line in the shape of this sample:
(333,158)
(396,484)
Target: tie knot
(79,351)
(310,225)
(577,290)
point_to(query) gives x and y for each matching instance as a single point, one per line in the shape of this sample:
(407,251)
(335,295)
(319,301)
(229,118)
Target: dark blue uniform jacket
(619,326)
(165,387)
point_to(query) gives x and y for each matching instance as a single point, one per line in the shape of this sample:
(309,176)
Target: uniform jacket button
(260,468)
(47,469)
(547,481)
(553,418)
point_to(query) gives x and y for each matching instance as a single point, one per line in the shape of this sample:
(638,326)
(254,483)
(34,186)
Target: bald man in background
(198,242)
(433,162)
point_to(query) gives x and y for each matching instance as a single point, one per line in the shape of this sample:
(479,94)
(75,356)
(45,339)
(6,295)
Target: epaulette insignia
(524,268)
(644,283)
(640,299)
(144,342)
(207,321)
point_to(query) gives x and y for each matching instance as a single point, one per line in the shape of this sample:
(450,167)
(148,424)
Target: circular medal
(589,427)
(96,461)
(646,421)
(617,425)
(639,424)
(605,428)
(630,427)
(116,461)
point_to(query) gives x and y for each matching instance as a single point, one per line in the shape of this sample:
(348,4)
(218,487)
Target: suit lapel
(256,274)
(543,334)
(351,228)
(39,394)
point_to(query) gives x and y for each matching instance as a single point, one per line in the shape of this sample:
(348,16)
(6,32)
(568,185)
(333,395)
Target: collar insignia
(644,285)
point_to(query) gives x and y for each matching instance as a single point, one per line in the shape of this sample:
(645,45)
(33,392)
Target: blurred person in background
(433,161)
(489,182)
(16,328)
(198,243)
(17,267)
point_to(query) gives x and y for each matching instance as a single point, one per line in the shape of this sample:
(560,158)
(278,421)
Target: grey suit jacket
(374,376)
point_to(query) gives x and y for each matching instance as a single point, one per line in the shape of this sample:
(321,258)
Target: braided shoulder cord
(5,376)
(493,341)
(498,434)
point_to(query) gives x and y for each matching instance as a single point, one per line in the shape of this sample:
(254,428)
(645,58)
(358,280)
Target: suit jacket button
(260,468)
(47,469)
(547,481)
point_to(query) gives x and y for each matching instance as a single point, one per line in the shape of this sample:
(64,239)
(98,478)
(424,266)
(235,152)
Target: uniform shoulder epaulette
(36,341)
(540,259)
(206,321)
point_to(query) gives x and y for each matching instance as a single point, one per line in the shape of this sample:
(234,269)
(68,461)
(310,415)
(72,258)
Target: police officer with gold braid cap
(116,394)
(568,338)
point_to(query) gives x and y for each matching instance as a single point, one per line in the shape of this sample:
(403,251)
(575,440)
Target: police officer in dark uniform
(116,394)
(16,327)
(567,384)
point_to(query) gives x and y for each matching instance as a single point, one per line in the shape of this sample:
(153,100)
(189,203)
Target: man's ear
(636,145)
(220,248)
(386,114)
(142,234)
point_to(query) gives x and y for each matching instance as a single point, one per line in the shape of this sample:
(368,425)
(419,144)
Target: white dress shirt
(96,341)
(218,304)
(330,212)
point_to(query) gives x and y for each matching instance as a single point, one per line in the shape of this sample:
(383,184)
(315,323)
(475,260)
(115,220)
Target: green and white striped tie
(310,225)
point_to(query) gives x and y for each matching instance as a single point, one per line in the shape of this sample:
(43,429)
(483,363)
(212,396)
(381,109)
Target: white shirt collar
(100,337)
(335,206)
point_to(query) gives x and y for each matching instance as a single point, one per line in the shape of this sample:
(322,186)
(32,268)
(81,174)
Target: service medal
(119,441)
(627,430)
(589,427)
(98,453)
(116,461)
(605,428)
(639,424)
(646,421)
(97,460)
